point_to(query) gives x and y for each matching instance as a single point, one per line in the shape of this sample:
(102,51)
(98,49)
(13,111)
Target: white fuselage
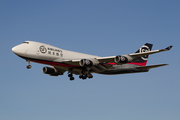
(36,50)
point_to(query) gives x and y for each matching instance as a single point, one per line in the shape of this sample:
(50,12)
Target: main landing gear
(84,75)
(28,66)
(71,76)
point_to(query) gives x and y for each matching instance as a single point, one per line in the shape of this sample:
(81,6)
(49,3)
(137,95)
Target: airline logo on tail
(143,49)
(142,61)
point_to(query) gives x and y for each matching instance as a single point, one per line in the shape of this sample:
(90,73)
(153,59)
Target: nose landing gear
(28,66)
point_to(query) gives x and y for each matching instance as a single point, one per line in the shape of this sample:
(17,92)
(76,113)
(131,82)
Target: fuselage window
(26,42)
(57,54)
(53,53)
(49,52)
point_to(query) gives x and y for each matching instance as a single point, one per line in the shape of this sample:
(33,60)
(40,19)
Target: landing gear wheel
(70,75)
(84,77)
(29,66)
(86,74)
(89,75)
(80,76)
(71,78)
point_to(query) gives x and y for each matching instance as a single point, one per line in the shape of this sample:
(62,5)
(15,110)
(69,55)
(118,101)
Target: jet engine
(85,62)
(122,59)
(50,70)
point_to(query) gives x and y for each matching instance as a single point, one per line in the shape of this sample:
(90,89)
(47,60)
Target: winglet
(168,48)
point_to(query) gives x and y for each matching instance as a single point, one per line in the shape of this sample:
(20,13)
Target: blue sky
(97,27)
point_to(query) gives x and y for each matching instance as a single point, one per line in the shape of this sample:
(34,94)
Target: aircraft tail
(142,61)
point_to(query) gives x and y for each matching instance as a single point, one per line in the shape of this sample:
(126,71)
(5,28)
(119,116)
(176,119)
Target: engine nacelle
(49,70)
(52,71)
(122,59)
(85,62)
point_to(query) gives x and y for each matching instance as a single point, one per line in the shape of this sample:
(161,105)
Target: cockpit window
(26,42)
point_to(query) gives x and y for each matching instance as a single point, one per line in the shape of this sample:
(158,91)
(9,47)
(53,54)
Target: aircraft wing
(107,62)
(131,57)
(149,52)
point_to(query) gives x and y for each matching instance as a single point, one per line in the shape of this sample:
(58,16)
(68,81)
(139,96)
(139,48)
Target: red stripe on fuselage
(53,63)
(140,64)
(66,65)
(110,63)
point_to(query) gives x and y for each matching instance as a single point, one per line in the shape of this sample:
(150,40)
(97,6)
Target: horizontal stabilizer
(150,66)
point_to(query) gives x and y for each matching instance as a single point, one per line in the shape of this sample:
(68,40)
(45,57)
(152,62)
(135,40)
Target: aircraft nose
(14,49)
(19,50)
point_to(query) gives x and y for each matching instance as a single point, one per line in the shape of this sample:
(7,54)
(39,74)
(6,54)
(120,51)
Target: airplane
(84,65)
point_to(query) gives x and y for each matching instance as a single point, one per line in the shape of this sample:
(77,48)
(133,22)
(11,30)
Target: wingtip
(165,64)
(168,48)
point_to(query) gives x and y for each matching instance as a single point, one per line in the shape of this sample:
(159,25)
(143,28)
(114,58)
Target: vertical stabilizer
(143,60)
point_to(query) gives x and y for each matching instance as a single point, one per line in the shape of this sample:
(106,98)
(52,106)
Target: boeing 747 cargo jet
(82,64)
